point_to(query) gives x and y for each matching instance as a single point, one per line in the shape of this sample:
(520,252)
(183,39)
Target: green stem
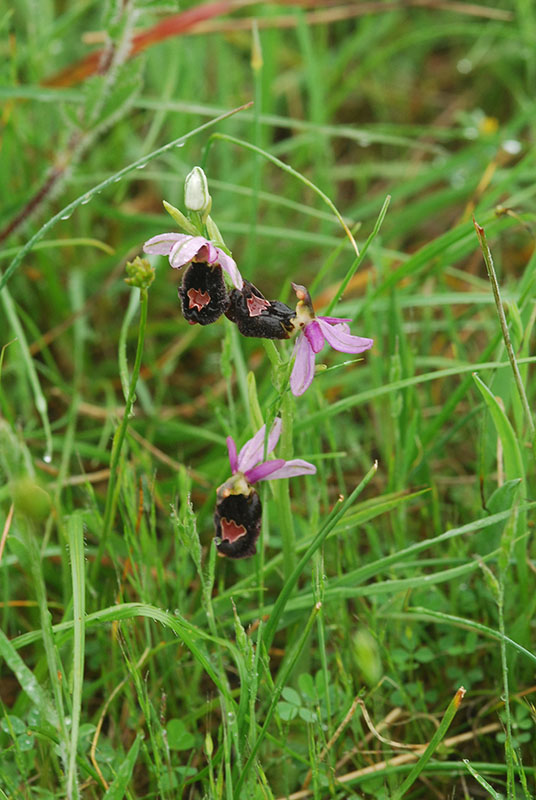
(281,490)
(488,260)
(357,262)
(119,437)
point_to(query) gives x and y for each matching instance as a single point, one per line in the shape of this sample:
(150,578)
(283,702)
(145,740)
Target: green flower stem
(281,490)
(119,437)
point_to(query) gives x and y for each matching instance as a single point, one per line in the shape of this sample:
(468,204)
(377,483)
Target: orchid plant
(204,298)
(238,509)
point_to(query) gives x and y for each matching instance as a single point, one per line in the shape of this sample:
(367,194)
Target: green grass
(136,664)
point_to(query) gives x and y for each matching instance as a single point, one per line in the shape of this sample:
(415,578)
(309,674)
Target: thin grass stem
(488,260)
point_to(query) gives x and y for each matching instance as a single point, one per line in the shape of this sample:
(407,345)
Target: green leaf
(416,770)
(118,787)
(182,221)
(12,724)
(292,696)
(287,711)
(513,462)
(503,497)
(307,715)
(177,736)
(307,685)
(27,679)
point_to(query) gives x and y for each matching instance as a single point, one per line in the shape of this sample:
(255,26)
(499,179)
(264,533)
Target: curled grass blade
(184,630)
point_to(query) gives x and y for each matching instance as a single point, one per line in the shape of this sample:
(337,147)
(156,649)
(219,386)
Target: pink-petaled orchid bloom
(238,513)
(249,462)
(183,249)
(315,332)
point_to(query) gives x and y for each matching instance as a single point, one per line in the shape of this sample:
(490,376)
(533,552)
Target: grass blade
(75,532)
(117,789)
(432,746)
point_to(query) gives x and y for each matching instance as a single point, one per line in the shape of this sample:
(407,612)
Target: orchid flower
(183,249)
(247,460)
(315,332)
(203,295)
(254,315)
(238,513)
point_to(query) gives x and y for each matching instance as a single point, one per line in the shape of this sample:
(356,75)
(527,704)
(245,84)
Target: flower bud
(196,195)
(140,273)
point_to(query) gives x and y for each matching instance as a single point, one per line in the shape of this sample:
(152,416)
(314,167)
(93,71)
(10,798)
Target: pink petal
(253,451)
(162,244)
(263,471)
(334,320)
(229,266)
(211,254)
(231,448)
(290,469)
(185,250)
(337,336)
(315,337)
(303,370)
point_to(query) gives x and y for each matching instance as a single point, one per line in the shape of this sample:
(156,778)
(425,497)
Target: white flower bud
(196,195)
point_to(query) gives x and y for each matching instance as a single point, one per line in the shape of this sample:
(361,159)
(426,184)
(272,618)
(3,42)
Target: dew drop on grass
(511,146)
(116,180)
(471,132)
(464,65)
(86,200)
(66,216)
(47,458)
(142,166)
(180,144)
